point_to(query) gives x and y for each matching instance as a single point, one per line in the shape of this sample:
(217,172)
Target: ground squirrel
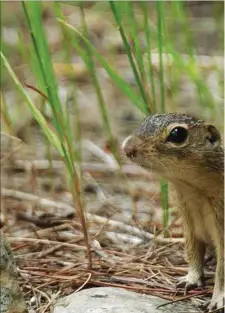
(189,154)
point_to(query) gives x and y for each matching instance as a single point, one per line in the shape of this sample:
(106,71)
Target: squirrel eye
(178,135)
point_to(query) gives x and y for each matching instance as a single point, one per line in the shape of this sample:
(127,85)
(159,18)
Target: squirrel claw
(217,303)
(189,284)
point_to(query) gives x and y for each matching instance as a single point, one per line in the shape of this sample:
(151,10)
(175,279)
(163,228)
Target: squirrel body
(188,153)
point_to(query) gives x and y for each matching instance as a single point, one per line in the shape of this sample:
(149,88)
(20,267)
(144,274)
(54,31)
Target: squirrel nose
(128,148)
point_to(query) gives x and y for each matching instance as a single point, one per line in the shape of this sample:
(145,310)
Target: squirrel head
(176,146)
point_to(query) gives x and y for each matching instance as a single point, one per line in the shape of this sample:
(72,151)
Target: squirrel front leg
(218,298)
(196,252)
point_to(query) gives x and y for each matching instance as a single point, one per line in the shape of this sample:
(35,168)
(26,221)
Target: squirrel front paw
(190,281)
(217,302)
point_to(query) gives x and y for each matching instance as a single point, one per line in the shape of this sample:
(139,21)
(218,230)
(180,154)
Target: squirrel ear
(213,134)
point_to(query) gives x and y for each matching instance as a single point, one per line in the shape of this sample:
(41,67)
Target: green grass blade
(182,18)
(148,35)
(164,184)
(101,101)
(36,113)
(132,25)
(160,16)
(33,14)
(119,81)
(164,202)
(116,12)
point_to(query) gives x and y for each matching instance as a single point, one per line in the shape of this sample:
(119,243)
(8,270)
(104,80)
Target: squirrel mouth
(129,149)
